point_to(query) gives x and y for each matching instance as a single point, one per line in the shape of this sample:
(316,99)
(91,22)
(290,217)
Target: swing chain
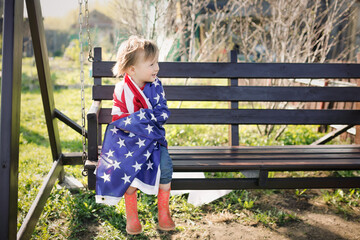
(82,80)
(90,55)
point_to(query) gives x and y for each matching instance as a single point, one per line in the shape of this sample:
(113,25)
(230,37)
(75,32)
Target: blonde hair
(128,53)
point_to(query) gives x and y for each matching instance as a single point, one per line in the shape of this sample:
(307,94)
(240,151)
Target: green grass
(75,215)
(274,217)
(344,201)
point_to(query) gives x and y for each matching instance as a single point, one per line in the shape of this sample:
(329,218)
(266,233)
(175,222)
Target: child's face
(144,70)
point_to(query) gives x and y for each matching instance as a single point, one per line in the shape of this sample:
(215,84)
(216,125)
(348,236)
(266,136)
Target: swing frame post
(10,116)
(46,88)
(43,69)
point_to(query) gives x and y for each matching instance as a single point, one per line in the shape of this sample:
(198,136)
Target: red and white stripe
(128,98)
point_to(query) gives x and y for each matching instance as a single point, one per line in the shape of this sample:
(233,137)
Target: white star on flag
(149,128)
(109,153)
(137,166)
(127,121)
(163,94)
(126,178)
(106,177)
(149,165)
(141,143)
(129,154)
(141,115)
(131,135)
(114,130)
(121,143)
(116,165)
(153,117)
(164,115)
(157,98)
(147,155)
(156,83)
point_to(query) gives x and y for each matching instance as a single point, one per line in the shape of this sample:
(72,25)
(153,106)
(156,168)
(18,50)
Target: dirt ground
(314,220)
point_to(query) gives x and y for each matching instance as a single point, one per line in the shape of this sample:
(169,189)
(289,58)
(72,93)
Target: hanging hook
(85,172)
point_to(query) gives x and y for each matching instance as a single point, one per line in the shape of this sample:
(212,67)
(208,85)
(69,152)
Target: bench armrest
(94,109)
(94,130)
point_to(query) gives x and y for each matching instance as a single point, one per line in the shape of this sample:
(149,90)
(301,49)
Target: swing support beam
(10,116)
(43,69)
(46,88)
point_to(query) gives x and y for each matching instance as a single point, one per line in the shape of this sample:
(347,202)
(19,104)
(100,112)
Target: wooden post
(94,129)
(43,69)
(98,81)
(323,128)
(10,116)
(357,106)
(234,128)
(97,58)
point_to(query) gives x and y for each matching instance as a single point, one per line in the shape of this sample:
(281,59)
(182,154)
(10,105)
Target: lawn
(75,215)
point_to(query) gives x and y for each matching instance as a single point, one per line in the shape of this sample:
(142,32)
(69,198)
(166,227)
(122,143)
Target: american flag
(130,153)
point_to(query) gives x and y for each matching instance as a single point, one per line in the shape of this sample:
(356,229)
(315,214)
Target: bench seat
(270,158)
(265,159)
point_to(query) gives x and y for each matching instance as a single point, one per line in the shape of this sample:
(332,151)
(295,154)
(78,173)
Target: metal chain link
(90,54)
(82,83)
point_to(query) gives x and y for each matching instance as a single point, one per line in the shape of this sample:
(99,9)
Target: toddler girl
(134,154)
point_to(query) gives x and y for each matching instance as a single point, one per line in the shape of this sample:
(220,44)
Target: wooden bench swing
(236,158)
(190,159)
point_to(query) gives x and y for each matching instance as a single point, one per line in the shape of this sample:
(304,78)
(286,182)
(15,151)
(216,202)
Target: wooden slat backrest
(248,93)
(254,116)
(234,93)
(244,70)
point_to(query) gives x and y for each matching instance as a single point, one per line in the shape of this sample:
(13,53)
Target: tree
(141,18)
(175,25)
(302,31)
(203,29)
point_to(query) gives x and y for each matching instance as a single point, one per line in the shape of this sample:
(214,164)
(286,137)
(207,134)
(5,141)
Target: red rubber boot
(165,221)
(133,225)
